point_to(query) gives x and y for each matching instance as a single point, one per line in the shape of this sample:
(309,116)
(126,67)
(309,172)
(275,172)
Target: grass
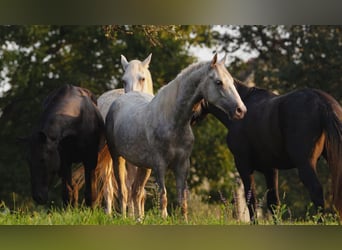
(200,213)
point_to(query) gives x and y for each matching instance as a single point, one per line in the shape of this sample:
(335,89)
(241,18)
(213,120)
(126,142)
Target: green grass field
(199,214)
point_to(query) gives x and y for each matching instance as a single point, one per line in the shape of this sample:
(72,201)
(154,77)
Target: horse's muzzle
(239,112)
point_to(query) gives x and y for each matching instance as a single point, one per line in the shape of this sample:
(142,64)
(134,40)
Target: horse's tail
(333,147)
(107,187)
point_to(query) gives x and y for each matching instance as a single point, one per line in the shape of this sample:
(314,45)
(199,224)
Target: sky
(205,53)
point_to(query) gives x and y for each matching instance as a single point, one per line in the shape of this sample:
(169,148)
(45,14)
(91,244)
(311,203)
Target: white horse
(137,77)
(154,131)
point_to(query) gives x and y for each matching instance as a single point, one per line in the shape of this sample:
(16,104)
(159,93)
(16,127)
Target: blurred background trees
(34,60)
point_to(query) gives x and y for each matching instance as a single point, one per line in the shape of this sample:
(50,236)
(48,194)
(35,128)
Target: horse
(136,77)
(154,131)
(286,131)
(70,130)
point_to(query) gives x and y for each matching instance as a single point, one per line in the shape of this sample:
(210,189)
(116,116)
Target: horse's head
(44,163)
(137,77)
(219,90)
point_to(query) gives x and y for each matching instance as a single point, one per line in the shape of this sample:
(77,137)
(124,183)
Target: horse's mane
(246,91)
(86,92)
(169,92)
(192,67)
(184,73)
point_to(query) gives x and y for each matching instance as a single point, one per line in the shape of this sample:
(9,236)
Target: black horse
(71,130)
(282,132)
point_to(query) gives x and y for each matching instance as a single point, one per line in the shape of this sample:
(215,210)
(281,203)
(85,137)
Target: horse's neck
(242,89)
(49,127)
(258,94)
(178,98)
(56,123)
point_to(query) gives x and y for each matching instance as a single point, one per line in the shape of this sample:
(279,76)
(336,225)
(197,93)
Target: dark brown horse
(70,130)
(282,132)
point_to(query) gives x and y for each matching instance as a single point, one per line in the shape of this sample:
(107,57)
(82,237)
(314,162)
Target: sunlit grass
(200,213)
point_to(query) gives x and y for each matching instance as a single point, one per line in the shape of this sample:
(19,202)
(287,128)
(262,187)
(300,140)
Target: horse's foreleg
(249,186)
(90,186)
(90,179)
(271,177)
(181,173)
(67,185)
(160,176)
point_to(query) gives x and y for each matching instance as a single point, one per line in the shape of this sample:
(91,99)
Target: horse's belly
(267,161)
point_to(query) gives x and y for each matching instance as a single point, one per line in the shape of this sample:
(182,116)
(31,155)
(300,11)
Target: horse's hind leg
(108,187)
(138,191)
(305,159)
(119,167)
(131,173)
(309,178)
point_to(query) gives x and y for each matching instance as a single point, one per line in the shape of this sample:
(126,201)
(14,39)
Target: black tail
(333,146)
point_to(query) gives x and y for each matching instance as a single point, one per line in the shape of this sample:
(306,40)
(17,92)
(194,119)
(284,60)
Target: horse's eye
(142,79)
(218,82)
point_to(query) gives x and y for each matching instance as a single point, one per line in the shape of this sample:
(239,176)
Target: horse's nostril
(240,112)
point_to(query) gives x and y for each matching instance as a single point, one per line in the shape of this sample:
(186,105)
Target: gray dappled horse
(154,131)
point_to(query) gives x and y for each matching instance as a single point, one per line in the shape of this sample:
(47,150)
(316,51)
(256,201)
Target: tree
(289,57)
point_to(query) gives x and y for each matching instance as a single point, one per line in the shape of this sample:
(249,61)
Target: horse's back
(106,99)
(301,110)
(71,111)
(131,103)
(276,126)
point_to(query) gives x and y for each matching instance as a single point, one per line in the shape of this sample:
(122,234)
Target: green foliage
(289,57)
(211,161)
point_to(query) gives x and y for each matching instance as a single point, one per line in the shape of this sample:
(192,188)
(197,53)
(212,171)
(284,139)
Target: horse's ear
(124,62)
(214,60)
(223,60)
(147,61)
